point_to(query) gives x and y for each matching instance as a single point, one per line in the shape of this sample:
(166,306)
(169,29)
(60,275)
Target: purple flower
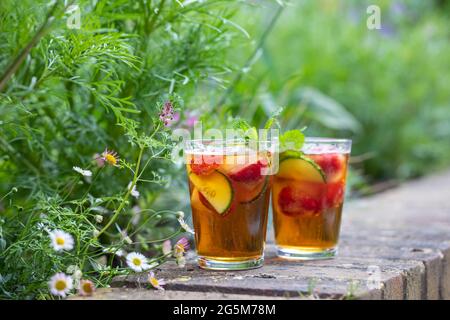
(181,247)
(167,114)
(175,119)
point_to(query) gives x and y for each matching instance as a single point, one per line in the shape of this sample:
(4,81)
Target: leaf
(244,128)
(273,119)
(128,110)
(292,140)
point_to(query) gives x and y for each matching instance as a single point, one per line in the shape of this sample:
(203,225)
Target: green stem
(149,25)
(19,157)
(14,65)
(118,210)
(125,198)
(247,64)
(97,174)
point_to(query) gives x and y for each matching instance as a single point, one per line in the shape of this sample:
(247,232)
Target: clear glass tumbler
(308,197)
(229,183)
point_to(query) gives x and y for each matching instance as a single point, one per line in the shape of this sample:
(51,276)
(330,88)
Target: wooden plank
(404,233)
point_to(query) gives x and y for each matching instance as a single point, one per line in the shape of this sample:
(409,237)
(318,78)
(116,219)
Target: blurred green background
(387,89)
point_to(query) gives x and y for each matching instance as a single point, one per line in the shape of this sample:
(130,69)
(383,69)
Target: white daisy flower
(120,253)
(115,251)
(137,262)
(60,284)
(134,191)
(86,288)
(185,226)
(61,240)
(85,173)
(156,283)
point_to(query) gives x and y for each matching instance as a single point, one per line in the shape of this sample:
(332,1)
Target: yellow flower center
(137,262)
(110,159)
(60,241)
(179,248)
(87,287)
(154,282)
(60,285)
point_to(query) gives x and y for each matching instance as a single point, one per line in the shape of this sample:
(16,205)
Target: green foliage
(65,96)
(247,131)
(386,89)
(292,139)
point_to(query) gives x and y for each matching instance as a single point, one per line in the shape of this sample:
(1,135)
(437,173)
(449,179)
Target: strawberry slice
(206,167)
(249,173)
(295,203)
(335,194)
(331,163)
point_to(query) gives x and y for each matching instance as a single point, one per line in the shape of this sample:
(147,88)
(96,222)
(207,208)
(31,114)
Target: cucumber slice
(300,167)
(216,188)
(254,192)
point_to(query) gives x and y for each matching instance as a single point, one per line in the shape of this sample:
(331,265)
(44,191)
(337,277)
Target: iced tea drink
(230,194)
(307,199)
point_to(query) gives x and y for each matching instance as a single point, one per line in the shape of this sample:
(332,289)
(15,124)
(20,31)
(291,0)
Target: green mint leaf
(273,120)
(241,124)
(249,132)
(292,140)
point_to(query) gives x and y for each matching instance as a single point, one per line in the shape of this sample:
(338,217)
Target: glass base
(298,254)
(213,264)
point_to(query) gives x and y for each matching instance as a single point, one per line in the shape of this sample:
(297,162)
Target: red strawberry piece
(250,173)
(335,194)
(330,163)
(205,167)
(295,203)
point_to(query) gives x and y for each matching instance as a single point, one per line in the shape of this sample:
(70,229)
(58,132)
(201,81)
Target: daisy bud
(72,268)
(77,274)
(98,218)
(96,233)
(181,261)
(128,240)
(180,214)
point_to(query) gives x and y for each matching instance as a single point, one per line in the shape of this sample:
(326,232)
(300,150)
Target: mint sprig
(292,140)
(249,132)
(273,120)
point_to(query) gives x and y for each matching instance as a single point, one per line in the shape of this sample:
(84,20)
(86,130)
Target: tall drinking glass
(230,192)
(308,197)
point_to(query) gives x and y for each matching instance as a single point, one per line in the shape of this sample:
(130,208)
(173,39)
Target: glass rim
(326,140)
(229,140)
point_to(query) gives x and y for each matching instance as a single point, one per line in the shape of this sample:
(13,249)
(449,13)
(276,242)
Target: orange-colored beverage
(229,199)
(307,199)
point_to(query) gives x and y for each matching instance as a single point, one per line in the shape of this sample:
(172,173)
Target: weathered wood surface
(404,233)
